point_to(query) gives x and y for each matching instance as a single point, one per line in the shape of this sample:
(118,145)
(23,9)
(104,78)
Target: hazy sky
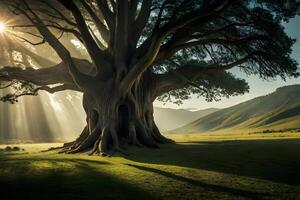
(258,87)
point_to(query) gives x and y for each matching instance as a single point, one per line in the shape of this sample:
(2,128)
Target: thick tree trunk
(115,121)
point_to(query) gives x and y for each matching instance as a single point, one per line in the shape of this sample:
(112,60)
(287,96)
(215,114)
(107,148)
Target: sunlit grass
(233,135)
(32,147)
(213,169)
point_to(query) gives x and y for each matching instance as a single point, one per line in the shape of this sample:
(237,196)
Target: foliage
(206,34)
(211,87)
(18,89)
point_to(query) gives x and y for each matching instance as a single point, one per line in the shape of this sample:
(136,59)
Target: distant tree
(135,51)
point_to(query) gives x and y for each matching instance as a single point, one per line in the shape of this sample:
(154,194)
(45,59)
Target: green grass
(234,135)
(196,168)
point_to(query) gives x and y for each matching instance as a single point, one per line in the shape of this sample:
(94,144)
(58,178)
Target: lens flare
(2,27)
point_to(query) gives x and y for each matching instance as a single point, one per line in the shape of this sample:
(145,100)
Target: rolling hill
(279,110)
(168,119)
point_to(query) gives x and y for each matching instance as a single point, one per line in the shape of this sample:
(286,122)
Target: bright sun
(2,27)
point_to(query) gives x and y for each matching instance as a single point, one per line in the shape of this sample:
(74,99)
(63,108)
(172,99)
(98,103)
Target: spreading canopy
(186,45)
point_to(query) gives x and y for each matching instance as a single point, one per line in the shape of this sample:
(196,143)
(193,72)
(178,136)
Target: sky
(258,87)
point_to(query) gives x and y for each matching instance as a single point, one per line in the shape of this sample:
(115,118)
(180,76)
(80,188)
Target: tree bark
(115,120)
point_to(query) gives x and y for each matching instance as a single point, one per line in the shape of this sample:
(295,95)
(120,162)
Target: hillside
(168,119)
(279,110)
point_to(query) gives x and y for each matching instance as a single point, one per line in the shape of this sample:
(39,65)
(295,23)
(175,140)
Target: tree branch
(167,51)
(61,15)
(94,50)
(107,14)
(141,21)
(172,80)
(57,74)
(59,88)
(100,26)
(121,31)
(153,43)
(63,53)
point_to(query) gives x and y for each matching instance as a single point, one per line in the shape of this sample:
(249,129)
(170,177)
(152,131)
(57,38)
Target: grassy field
(233,135)
(198,167)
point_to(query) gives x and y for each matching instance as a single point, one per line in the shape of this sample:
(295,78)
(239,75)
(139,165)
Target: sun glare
(2,27)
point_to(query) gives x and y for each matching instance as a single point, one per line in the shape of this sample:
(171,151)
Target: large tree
(131,52)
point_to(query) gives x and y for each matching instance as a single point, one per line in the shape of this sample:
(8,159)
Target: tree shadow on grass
(274,160)
(78,181)
(215,188)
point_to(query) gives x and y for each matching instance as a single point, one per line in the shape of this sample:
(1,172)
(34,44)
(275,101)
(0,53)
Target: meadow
(253,166)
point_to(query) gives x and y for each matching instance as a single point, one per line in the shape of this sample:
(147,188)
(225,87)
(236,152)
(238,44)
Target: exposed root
(159,137)
(132,136)
(114,137)
(52,149)
(95,149)
(109,138)
(73,145)
(85,142)
(105,154)
(144,136)
(109,141)
(104,142)
(68,144)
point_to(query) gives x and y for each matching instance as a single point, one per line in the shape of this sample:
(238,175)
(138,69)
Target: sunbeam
(46,118)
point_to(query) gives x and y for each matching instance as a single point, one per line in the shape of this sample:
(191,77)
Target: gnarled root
(111,127)
(108,139)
